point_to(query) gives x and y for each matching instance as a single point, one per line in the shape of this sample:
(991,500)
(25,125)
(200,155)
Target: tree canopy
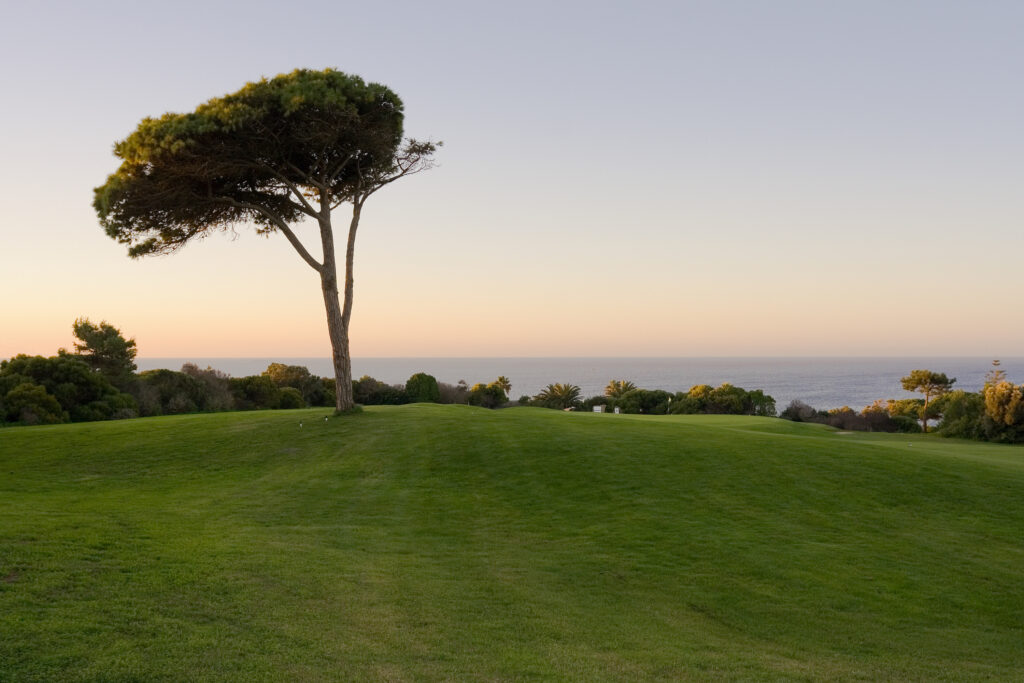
(617,387)
(422,388)
(257,155)
(105,350)
(558,395)
(931,385)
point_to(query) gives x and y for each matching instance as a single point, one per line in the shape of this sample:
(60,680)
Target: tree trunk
(338,316)
(924,415)
(338,332)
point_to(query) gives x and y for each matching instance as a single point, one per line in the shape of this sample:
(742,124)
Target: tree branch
(305,176)
(280,224)
(305,206)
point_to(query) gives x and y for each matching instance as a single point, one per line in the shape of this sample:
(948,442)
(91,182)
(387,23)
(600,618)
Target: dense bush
(290,397)
(684,404)
(31,404)
(647,402)
(82,393)
(907,407)
(874,418)
(453,393)
(627,398)
(1004,412)
(298,377)
(487,396)
(587,405)
(723,400)
(87,385)
(422,388)
(371,392)
(254,392)
(798,411)
(907,425)
(327,385)
(728,400)
(761,403)
(994,414)
(845,418)
(166,392)
(216,387)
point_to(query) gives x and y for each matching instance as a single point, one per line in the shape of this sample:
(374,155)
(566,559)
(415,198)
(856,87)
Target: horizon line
(580,357)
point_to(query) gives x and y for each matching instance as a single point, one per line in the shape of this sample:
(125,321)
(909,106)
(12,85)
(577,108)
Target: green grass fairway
(454,543)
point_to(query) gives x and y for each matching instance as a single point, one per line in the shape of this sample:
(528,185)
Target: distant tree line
(996,413)
(99,381)
(628,398)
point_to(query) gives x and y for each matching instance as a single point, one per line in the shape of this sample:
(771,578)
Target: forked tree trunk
(338,315)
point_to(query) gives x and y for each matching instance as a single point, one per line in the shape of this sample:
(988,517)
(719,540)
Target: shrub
(700,394)
(589,403)
(798,411)
(31,404)
(907,425)
(846,418)
(81,392)
(761,403)
(962,415)
(216,394)
(452,393)
(907,407)
(166,392)
(727,400)
(683,404)
(487,396)
(290,397)
(644,401)
(327,389)
(422,388)
(1004,412)
(371,392)
(298,377)
(254,392)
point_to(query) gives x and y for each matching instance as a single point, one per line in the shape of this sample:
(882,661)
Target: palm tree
(617,387)
(559,395)
(505,385)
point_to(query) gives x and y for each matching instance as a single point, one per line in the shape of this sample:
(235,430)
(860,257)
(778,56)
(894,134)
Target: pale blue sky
(690,178)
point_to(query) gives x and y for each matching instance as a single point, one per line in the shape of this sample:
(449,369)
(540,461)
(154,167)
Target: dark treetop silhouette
(277,151)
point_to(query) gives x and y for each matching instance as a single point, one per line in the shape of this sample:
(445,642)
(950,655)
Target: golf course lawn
(428,542)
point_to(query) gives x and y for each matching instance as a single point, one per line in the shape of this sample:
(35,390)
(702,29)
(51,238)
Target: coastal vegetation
(996,413)
(99,382)
(427,542)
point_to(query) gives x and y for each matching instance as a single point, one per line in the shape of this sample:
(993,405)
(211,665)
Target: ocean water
(821,382)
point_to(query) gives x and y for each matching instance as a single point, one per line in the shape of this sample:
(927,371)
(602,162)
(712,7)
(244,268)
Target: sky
(719,178)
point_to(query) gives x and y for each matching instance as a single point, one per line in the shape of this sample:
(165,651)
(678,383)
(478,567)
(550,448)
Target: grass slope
(427,542)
